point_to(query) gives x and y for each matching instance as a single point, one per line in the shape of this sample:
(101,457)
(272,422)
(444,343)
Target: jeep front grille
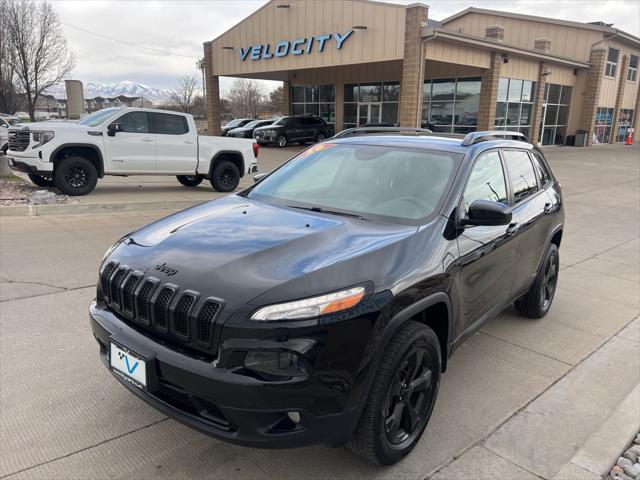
(19,140)
(165,311)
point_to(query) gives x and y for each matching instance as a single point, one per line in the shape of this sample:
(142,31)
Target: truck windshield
(98,117)
(384,182)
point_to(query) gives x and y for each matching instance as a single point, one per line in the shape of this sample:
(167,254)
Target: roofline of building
(430,33)
(534,18)
(372,2)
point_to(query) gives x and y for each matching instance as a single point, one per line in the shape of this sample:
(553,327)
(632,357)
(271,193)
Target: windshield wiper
(329,212)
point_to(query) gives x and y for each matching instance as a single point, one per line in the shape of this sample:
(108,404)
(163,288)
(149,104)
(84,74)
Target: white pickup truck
(127,141)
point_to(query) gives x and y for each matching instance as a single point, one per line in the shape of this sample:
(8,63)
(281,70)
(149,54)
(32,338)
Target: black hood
(238,249)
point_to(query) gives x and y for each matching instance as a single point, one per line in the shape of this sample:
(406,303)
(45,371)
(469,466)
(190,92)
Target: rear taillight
(256,149)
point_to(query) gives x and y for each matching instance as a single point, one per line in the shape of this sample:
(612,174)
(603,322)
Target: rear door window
(521,174)
(167,124)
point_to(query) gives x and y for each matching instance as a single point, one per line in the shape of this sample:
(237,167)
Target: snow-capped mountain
(126,87)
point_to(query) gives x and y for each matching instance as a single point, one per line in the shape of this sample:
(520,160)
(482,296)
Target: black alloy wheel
(75,176)
(538,300)
(225,177)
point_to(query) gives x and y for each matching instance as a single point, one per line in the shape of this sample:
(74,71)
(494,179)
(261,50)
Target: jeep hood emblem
(163,267)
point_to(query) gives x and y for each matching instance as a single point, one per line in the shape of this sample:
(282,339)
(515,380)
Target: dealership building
(357,62)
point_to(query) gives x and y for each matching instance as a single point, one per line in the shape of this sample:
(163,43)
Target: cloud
(182,26)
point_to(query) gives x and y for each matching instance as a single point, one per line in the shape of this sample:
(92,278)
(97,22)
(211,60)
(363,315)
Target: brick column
(412,81)
(489,93)
(592,91)
(339,107)
(212,88)
(536,115)
(622,81)
(285,107)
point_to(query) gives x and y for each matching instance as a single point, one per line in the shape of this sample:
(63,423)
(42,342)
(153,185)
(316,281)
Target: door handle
(548,207)
(513,229)
(147,139)
(190,142)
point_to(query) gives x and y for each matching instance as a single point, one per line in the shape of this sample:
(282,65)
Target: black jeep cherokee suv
(322,303)
(297,129)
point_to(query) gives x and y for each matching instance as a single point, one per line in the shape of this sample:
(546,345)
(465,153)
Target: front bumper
(218,402)
(29,164)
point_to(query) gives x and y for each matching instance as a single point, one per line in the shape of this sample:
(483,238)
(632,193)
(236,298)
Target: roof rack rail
(373,130)
(477,137)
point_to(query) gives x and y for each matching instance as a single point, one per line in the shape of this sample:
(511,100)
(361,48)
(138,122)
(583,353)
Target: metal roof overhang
(432,33)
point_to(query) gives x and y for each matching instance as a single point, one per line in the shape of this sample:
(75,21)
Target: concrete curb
(93,208)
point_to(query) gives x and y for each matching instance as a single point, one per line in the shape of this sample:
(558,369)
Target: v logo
(130,368)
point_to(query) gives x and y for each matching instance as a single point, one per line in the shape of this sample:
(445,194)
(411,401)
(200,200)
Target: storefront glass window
(625,120)
(515,104)
(371,103)
(555,114)
(604,120)
(451,105)
(314,100)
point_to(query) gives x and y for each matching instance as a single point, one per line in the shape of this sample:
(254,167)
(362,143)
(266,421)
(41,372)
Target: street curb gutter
(93,208)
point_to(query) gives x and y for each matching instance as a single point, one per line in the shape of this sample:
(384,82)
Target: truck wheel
(225,176)
(281,141)
(401,398)
(190,180)
(75,176)
(41,181)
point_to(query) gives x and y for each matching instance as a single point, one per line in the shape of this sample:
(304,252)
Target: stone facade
(285,107)
(536,115)
(622,81)
(212,88)
(592,91)
(489,93)
(412,68)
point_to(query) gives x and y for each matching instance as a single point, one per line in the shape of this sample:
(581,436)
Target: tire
(225,176)
(320,137)
(41,181)
(281,141)
(75,176)
(189,180)
(537,301)
(379,438)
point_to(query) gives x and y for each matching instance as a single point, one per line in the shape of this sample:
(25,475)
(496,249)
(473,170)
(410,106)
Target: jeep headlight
(311,307)
(39,138)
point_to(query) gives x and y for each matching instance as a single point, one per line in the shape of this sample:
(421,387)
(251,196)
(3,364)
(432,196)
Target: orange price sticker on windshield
(317,148)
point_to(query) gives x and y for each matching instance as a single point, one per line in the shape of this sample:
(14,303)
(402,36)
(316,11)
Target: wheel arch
(234,156)
(85,150)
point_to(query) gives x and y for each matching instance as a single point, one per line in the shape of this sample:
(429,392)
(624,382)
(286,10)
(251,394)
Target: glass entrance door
(368,113)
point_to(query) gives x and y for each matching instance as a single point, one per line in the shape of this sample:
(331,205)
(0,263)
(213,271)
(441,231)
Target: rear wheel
(537,301)
(75,176)
(41,181)
(225,176)
(189,180)
(281,141)
(401,398)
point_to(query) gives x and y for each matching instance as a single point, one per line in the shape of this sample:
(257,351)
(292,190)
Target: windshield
(234,123)
(369,181)
(280,121)
(253,124)
(11,120)
(98,117)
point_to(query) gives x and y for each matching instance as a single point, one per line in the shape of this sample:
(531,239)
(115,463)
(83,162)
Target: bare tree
(40,55)
(276,101)
(245,98)
(185,94)
(8,94)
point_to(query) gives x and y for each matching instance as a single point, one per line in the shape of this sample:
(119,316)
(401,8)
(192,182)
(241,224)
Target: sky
(181,26)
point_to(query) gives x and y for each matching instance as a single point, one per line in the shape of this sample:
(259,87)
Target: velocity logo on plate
(128,366)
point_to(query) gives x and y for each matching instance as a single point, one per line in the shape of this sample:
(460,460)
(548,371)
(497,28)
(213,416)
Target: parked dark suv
(323,303)
(297,129)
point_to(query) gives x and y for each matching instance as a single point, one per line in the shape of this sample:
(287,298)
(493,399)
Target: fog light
(274,363)
(294,417)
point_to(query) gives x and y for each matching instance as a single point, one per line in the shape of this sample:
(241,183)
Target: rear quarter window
(521,174)
(541,170)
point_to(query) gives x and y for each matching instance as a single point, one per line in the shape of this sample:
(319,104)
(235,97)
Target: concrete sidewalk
(525,399)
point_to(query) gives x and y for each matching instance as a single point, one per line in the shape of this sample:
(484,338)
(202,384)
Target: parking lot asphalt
(521,399)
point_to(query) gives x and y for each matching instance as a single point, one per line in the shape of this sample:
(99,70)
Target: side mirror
(258,177)
(486,212)
(113,128)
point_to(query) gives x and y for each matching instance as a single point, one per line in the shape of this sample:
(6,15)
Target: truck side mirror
(113,128)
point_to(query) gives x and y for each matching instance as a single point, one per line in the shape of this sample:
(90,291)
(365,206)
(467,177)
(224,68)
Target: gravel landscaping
(628,465)
(15,191)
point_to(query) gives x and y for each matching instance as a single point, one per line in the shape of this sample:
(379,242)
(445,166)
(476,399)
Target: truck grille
(19,140)
(164,311)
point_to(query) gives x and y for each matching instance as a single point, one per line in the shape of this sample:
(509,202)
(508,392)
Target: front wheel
(75,176)
(189,180)
(537,301)
(41,181)
(225,176)
(320,137)
(402,396)
(281,141)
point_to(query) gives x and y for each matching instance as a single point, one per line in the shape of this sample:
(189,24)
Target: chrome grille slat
(19,140)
